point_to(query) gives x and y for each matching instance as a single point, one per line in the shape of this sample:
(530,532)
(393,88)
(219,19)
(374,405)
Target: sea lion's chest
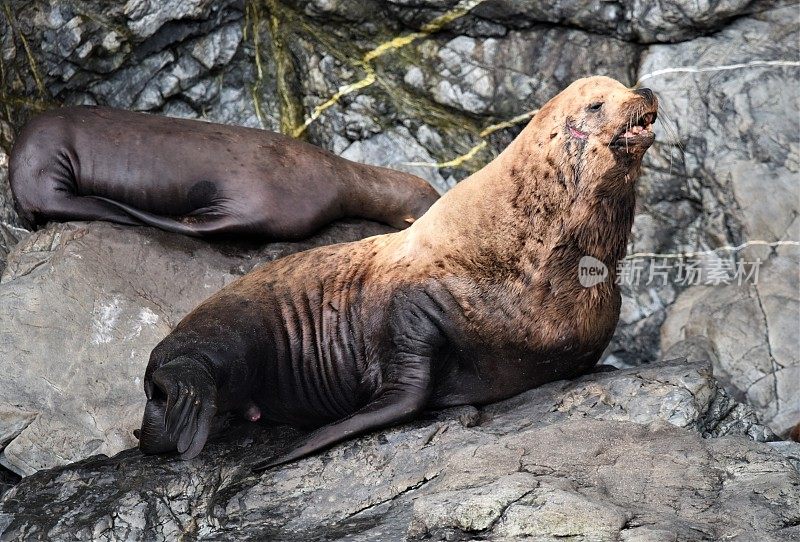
(512,344)
(538,317)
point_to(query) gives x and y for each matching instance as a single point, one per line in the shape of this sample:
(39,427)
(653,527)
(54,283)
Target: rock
(505,76)
(183,58)
(82,305)
(10,221)
(703,181)
(643,22)
(751,332)
(8,480)
(627,474)
(144,20)
(396,148)
(9,236)
(684,394)
(718,116)
(789,449)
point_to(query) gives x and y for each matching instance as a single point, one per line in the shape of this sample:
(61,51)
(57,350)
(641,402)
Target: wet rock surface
(617,455)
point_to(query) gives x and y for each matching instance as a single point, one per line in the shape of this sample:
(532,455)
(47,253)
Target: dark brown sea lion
(197,178)
(477,301)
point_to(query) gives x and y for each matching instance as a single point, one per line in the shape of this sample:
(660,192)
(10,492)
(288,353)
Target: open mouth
(638,132)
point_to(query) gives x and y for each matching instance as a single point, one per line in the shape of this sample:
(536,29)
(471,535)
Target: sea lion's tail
(165,223)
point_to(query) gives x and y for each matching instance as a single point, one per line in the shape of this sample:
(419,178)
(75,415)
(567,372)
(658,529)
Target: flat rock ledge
(658,452)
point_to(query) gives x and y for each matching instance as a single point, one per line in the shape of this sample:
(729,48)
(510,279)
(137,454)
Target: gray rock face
(705,179)
(610,456)
(10,225)
(750,333)
(82,305)
(739,163)
(183,58)
(643,22)
(8,216)
(9,236)
(500,76)
(719,117)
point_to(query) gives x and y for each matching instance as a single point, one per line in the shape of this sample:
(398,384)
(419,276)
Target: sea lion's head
(398,199)
(600,127)
(418,201)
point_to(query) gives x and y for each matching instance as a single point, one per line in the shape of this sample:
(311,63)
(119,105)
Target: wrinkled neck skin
(389,196)
(547,196)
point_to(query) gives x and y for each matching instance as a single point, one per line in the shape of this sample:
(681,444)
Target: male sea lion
(197,178)
(478,300)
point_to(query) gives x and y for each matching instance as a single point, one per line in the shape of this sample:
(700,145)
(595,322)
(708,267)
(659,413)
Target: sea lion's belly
(287,350)
(303,331)
(485,375)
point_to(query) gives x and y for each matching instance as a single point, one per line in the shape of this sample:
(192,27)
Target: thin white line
(724,67)
(712,251)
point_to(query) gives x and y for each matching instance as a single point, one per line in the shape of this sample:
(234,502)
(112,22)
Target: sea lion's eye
(595,107)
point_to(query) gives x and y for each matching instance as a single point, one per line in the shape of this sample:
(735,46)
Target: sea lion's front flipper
(390,407)
(191,402)
(415,328)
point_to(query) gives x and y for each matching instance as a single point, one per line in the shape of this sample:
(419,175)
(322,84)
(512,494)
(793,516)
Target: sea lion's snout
(153,438)
(636,135)
(638,132)
(603,114)
(604,125)
(647,94)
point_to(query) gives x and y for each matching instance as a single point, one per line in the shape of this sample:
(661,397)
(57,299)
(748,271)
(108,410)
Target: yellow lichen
(461,9)
(471,153)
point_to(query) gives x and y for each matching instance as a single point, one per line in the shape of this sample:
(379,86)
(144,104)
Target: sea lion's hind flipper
(190,394)
(60,205)
(389,408)
(199,228)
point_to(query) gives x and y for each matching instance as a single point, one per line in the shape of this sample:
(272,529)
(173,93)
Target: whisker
(669,126)
(673,138)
